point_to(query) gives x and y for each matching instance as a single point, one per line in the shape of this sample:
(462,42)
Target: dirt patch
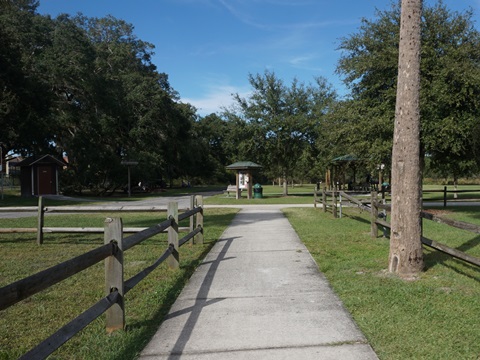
(438,212)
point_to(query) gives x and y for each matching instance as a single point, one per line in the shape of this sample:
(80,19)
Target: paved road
(183,202)
(258,295)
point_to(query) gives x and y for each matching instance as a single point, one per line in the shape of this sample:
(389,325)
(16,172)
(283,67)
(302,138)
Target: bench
(231,188)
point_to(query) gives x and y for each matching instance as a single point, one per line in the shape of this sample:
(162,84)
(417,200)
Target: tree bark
(406,254)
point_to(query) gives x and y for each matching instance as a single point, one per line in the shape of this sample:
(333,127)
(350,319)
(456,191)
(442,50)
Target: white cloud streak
(215,98)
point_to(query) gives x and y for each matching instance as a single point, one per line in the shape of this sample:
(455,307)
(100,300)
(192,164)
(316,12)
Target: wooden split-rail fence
(445,193)
(112,253)
(42,210)
(379,210)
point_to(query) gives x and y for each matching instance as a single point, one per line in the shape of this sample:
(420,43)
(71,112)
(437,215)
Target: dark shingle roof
(243,165)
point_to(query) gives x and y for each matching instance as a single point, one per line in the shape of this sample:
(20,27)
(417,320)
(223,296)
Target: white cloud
(300,61)
(306,62)
(215,98)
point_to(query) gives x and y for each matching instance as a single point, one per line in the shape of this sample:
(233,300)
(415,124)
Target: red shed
(39,175)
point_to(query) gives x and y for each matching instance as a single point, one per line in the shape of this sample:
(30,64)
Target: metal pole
(129,187)
(129,163)
(1,166)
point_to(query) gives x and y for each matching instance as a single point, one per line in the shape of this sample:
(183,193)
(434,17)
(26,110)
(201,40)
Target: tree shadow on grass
(436,257)
(356,218)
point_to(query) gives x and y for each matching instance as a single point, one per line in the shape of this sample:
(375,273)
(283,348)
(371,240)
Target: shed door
(45,180)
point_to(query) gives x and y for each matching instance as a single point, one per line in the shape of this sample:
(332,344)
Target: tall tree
(406,255)
(208,151)
(450,86)
(24,95)
(87,88)
(281,122)
(116,94)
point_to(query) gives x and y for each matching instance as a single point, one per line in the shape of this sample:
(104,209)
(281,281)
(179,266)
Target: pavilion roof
(345,158)
(243,165)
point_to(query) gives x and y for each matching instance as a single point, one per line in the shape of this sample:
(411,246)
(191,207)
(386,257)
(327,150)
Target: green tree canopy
(25,96)
(280,123)
(209,151)
(87,88)
(450,85)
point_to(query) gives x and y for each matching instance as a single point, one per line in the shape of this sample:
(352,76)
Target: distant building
(39,175)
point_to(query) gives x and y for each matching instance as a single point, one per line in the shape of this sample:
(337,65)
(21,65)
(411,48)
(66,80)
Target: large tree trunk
(406,254)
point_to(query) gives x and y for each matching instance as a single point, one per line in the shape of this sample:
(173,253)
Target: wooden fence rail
(116,287)
(455,192)
(41,211)
(22,289)
(444,191)
(428,242)
(337,200)
(333,194)
(379,218)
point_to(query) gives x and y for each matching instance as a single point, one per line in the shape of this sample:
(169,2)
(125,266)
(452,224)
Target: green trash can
(257,191)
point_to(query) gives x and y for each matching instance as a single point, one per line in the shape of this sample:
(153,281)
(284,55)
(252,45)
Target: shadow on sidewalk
(201,300)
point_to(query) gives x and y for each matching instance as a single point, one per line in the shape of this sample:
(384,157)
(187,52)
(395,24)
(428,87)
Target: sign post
(129,164)
(1,166)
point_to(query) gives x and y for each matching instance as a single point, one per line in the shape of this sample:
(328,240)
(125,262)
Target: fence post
(324,199)
(40,221)
(374,226)
(340,201)
(334,202)
(191,227)
(315,197)
(174,259)
(444,196)
(115,315)
(199,236)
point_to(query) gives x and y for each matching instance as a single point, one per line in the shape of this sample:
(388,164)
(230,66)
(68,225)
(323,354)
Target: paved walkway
(258,295)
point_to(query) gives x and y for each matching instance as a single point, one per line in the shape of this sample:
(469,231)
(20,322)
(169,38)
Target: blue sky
(208,47)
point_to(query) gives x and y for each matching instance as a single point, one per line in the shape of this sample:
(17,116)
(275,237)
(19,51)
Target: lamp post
(381,167)
(1,165)
(129,164)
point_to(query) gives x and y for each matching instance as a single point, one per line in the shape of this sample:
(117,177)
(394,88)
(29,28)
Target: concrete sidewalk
(258,295)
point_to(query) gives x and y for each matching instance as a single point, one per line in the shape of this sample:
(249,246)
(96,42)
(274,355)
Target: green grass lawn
(434,317)
(298,194)
(29,322)
(272,194)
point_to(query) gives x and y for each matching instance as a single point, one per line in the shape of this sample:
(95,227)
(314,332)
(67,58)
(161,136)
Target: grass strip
(434,317)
